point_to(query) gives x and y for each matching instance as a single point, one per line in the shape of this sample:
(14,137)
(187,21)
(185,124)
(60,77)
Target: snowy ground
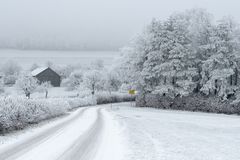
(126,133)
(176,135)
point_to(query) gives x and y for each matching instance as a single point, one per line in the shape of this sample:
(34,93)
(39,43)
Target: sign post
(132,92)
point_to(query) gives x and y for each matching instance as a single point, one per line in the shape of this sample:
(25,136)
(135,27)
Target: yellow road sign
(132,92)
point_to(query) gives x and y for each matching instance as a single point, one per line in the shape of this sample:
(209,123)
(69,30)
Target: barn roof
(38,70)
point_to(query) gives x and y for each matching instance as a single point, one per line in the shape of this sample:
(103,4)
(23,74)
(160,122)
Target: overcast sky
(93,24)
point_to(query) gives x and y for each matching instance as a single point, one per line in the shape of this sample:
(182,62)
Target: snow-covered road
(129,133)
(87,134)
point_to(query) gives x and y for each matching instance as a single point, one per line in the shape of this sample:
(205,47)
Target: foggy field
(26,58)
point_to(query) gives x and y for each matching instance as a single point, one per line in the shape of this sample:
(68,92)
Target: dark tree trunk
(231,80)
(215,90)
(165,80)
(93,89)
(236,77)
(46,94)
(28,95)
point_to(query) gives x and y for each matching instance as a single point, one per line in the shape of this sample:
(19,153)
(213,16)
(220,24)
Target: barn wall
(51,76)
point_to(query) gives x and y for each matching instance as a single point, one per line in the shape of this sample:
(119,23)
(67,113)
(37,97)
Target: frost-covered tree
(92,80)
(11,71)
(112,82)
(125,87)
(168,65)
(220,70)
(186,53)
(75,80)
(127,67)
(27,83)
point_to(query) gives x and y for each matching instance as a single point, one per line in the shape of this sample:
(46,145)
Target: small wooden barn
(46,74)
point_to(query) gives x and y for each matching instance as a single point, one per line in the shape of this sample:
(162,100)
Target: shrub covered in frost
(194,102)
(104,97)
(17,113)
(80,102)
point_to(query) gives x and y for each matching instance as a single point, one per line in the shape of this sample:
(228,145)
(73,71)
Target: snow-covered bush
(80,102)
(60,106)
(18,112)
(105,97)
(10,79)
(193,102)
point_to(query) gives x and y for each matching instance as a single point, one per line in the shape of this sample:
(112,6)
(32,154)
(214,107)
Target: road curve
(87,134)
(86,145)
(12,152)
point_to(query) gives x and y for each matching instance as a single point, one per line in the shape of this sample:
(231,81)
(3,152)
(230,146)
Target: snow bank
(17,112)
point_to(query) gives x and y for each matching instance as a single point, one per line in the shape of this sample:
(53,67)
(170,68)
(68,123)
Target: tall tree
(186,53)
(218,70)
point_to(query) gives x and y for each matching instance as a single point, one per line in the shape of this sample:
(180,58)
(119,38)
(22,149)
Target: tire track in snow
(21,148)
(86,145)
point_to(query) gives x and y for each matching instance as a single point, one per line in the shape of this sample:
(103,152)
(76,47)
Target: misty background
(90,24)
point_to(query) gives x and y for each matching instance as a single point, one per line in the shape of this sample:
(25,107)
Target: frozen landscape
(119,80)
(124,132)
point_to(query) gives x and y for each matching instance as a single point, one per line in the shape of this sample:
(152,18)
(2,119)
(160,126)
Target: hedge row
(194,102)
(17,113)
(105,98)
